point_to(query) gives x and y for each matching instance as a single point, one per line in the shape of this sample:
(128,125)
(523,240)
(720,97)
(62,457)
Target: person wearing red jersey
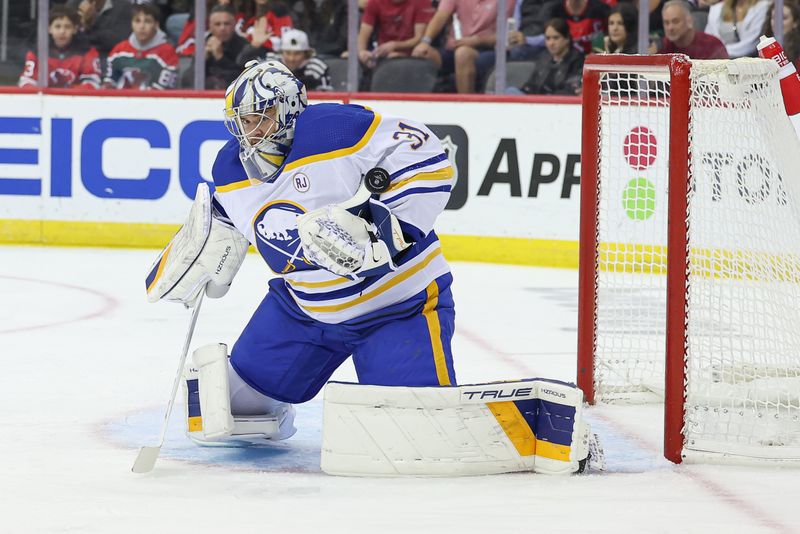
(145,60)
(265,29)
(400,25)
(586,20)
(186,45)
(72,62)
(681,37)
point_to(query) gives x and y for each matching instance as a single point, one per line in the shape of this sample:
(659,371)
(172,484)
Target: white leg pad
(211,362)
(222,409)
(528,425)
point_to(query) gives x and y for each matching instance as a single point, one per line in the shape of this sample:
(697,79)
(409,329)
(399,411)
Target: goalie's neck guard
(262,163)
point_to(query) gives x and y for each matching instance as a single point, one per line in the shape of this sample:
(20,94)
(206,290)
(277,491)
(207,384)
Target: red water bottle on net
(769,48)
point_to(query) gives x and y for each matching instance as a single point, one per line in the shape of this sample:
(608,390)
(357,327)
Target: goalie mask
(261,107)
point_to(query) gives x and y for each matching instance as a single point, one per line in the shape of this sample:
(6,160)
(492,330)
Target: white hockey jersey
(334,146)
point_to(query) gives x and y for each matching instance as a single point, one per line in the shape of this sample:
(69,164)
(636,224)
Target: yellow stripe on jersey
(441,174)
(324,283)
(234,186)
(382,289)
(340,152)
(435,330)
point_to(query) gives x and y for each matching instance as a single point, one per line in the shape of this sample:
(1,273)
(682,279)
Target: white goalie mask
(261,87)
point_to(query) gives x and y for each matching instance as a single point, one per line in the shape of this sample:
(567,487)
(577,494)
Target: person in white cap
(298,56)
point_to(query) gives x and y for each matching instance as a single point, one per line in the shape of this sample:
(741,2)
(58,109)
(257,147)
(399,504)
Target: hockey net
(699,159)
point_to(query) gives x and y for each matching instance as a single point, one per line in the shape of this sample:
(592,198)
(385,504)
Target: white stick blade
(146,460)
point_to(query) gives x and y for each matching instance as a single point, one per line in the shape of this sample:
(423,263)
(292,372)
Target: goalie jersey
(333,148)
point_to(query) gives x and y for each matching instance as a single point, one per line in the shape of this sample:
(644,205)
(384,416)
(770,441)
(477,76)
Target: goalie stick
(147,457)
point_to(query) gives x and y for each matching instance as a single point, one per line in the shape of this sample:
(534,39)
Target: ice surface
(88,364)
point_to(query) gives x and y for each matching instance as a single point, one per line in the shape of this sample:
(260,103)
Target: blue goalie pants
(288,356)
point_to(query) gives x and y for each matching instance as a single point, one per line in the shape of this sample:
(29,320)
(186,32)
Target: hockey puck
(377,180)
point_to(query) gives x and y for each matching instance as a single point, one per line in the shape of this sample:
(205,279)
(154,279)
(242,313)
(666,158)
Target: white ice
(87,365)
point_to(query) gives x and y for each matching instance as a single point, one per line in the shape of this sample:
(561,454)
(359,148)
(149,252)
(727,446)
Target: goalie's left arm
(206,252)
(421,178)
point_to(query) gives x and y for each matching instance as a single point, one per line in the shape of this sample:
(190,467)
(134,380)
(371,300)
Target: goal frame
(678,67)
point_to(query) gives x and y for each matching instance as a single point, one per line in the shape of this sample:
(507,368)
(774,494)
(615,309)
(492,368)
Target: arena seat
(517,73)
(337,68)
(404,75)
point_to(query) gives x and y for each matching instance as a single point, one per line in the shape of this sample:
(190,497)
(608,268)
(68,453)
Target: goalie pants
(288,356)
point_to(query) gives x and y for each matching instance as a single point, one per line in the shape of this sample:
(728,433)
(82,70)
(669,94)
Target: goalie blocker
(530,425)
(206,252)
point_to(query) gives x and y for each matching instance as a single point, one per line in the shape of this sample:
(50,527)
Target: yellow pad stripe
(435,330)
(160,270)
(195,424)
(545,449)
(515,426)
(521,435)
(387,286)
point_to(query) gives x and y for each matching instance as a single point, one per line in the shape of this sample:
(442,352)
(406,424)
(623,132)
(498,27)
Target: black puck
(377,180)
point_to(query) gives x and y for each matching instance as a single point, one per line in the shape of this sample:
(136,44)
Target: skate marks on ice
(621,435)
(298,454)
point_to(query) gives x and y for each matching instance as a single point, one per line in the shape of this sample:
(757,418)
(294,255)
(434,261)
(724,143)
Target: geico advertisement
(135,159)
(738,187)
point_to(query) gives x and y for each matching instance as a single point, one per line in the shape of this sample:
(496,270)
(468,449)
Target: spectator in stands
(681,37)
(527,41)
(559,71)
(400,25)
(738,23)
(623,28)
(105,22)
(586,20)
(476,23)
(265,27)
(299,57)
(145,60)
(328,30)
(72,62)
(791,29)
(223,48)
(186,46)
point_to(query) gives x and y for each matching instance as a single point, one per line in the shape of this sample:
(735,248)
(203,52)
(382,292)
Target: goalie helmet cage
(690,253)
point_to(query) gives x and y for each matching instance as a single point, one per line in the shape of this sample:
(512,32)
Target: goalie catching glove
(349,245)
(205,250)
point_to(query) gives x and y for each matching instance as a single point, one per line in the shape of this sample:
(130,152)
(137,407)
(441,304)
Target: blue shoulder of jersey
(228,169)
(325,128)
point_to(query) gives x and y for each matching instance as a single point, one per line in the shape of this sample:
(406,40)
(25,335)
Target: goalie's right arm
(206,250)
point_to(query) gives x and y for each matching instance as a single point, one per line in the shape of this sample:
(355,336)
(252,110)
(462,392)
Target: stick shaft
(181,363)
(146,459)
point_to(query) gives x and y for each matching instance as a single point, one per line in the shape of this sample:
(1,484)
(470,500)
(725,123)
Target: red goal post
(690,252)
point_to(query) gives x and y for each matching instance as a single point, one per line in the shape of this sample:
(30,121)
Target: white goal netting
(742,340)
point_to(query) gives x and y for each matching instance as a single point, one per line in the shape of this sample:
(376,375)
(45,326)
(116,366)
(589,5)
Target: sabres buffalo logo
(277,238)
